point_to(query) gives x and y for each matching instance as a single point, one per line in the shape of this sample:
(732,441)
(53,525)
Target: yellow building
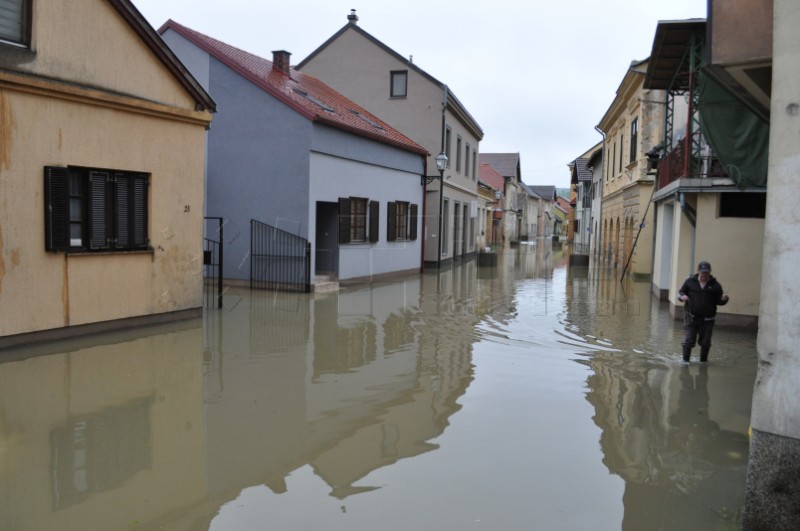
(632,126)
(102,137)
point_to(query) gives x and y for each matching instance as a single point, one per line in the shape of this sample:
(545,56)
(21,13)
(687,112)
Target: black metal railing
(212,261)
(279,260)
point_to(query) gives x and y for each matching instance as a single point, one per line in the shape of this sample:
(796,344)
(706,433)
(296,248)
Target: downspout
(441,175)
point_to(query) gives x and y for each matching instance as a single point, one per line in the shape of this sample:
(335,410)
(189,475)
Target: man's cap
(704,267)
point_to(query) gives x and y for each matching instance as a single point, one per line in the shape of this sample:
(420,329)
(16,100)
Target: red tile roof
(490,176)
(305,94)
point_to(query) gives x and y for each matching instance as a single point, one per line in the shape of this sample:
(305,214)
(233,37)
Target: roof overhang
(670,45)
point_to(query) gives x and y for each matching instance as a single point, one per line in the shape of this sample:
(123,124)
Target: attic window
(314,100)
(370,121)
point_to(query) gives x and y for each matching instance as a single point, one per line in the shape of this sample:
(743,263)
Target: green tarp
(740,139)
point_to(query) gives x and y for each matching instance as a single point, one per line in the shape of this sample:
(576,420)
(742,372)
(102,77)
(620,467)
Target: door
(326,244)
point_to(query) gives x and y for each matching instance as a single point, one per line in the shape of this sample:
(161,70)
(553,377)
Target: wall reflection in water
(102,433)
(345,382)
(676,434)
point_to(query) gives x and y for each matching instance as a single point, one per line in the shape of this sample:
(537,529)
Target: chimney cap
(352,18)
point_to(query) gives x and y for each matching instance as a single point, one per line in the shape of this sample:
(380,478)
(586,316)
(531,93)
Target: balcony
(678,164)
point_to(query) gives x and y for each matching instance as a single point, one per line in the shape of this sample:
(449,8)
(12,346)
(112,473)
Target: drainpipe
(441,179)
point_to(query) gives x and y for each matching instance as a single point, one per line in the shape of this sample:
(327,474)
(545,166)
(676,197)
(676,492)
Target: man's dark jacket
(703,302)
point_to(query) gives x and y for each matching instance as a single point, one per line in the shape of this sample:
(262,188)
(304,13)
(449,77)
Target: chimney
(352,18)
(280,61)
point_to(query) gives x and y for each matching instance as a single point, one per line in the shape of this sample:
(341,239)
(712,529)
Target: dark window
(742,205)
(15,16)
(354,220)
(95,210)
(474,164)
(613,158)
(621,150)
(448,134)
(399,84)
(401,221)
(467,161)
(634,137)
(458,154)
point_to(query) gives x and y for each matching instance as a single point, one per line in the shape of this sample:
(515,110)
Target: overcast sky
(537,75)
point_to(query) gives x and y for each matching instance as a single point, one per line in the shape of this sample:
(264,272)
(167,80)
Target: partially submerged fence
(212,261)
(279,260)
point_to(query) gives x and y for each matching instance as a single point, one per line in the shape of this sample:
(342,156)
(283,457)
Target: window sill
(108,253)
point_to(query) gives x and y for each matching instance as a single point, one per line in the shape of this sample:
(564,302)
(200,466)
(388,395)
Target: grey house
(288,151)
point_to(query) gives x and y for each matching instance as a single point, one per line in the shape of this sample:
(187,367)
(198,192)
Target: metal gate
(212,261)
(279,260)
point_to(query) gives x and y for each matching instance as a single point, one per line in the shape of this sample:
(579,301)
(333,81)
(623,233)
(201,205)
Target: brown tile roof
(506,164)
(580,171)
(490,176)
(305,94)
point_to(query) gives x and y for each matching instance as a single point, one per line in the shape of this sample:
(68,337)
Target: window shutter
(374,211)
(139,185)
(13,20)
(123,211)
(56,209)
(412,222)
(344,220)
(391,221)
(99,226)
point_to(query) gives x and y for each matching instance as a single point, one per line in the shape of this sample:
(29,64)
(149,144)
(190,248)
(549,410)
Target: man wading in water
(701,294)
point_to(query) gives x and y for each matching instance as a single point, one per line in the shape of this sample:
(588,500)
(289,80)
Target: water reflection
(465,397)
(675,433)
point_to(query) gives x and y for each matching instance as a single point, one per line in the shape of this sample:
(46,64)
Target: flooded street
(527,396)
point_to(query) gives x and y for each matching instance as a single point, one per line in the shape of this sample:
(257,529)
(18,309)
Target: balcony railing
(679,163)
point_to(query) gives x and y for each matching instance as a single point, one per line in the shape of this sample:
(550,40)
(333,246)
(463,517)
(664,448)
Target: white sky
(537,75)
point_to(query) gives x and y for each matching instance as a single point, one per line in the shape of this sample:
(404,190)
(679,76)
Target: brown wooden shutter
(412,222)
(139,217)
(99,226)
(344,220)
(374,210)
(56,209)
(391,221)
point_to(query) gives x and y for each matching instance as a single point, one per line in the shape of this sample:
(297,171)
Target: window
(15,16)
(458,154)
(90,209)
(742,205)
(401,223)
(634,137)
(474,164)
(399,84)
(448,133)
(354,220)
(613,158)
(466,161)
(621,149)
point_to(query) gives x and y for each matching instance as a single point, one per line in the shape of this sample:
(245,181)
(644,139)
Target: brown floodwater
(527,396)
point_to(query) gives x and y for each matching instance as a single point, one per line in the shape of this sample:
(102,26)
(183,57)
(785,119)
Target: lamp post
(441,164)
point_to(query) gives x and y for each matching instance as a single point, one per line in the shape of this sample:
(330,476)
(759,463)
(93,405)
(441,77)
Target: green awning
(740,139)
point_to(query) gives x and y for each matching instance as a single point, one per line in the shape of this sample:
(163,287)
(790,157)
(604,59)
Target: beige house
(359,66)
(101,172)
(632,126)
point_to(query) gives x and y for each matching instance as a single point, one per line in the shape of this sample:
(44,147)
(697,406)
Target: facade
(102,150)
(531,213)
(292,153)
(581,181)
(547,221)
(514,195)
(596,166)
(489,177)
(365,70)
(710,192)
(561,209)
(633,125)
